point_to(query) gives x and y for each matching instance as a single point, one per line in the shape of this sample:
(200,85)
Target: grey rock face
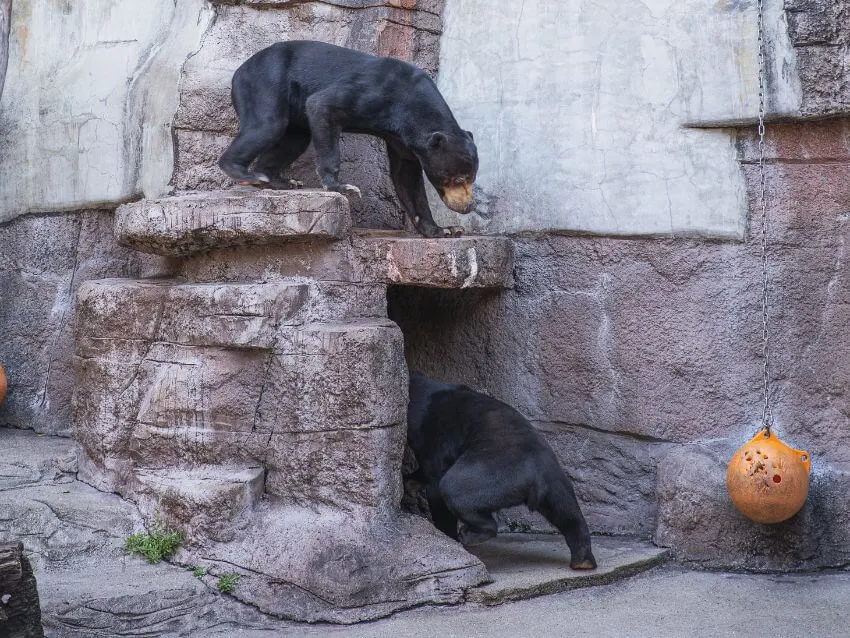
(195,222)
(42,262)
(257,401)
(74,537)
(87,121)
(818,32)
(698,522)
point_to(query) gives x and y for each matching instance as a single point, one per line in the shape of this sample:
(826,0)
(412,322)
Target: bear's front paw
(471,536)
(258,180)
(433,231)
(285,184)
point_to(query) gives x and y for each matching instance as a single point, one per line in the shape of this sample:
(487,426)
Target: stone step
(528,565)
(74,538)
(371,257)
(118,317)
(451,262)
(210,502)
(113,312)
(195,222)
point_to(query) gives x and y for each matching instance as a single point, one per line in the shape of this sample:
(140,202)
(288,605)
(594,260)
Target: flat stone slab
(528,565)
(201,221)
(392,257)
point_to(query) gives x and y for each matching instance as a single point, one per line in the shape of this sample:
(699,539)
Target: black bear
(292,92)
(478,455)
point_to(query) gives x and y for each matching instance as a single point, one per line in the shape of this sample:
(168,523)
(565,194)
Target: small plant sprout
(518,526)
(157,543)
(227,582)
(199,572)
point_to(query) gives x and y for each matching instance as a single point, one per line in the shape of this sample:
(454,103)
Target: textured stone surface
(210,502)
(265,420)
(818,31)
(206,122)
(620,349)
(90,94)
(462,262)
(42,262)
(528,565)
(196,222)
(367,259)
(350,564)
(697,520)
(577,111)
(74,536)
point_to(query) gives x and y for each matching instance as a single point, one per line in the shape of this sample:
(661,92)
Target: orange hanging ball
(768,480)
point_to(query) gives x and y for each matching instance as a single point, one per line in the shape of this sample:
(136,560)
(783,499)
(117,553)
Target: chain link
(767,411)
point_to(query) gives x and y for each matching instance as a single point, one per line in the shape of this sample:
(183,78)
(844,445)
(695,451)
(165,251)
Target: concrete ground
(666,601)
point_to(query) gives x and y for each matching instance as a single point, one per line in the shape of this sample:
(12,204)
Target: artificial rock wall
(134,98)
(256,399)
(641,360)
(631,354)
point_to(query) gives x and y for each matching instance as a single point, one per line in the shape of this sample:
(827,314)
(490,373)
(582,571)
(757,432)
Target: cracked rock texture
(263,415)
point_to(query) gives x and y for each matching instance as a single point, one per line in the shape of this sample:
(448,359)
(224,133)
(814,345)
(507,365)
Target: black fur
(293,92)
(478,455)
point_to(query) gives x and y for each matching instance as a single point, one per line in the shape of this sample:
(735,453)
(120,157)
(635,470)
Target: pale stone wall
(91,89)
(587,113)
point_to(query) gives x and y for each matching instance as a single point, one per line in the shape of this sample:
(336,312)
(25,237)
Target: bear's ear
(469,135)
(437,140)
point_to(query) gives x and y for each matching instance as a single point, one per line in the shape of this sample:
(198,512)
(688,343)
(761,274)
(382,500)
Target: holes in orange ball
(777,478)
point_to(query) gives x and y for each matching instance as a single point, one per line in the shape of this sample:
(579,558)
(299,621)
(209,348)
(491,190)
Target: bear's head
(450,161)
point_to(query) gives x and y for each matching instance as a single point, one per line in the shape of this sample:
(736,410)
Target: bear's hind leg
(468,493)
(476,526)
(250,143)
(560,507)
(276,160)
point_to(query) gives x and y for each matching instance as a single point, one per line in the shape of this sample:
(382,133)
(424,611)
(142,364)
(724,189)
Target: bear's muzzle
(458,197)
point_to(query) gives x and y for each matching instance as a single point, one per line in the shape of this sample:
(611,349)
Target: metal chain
(767,411)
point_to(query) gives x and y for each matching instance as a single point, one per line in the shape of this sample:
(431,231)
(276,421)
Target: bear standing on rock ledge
(292,92)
